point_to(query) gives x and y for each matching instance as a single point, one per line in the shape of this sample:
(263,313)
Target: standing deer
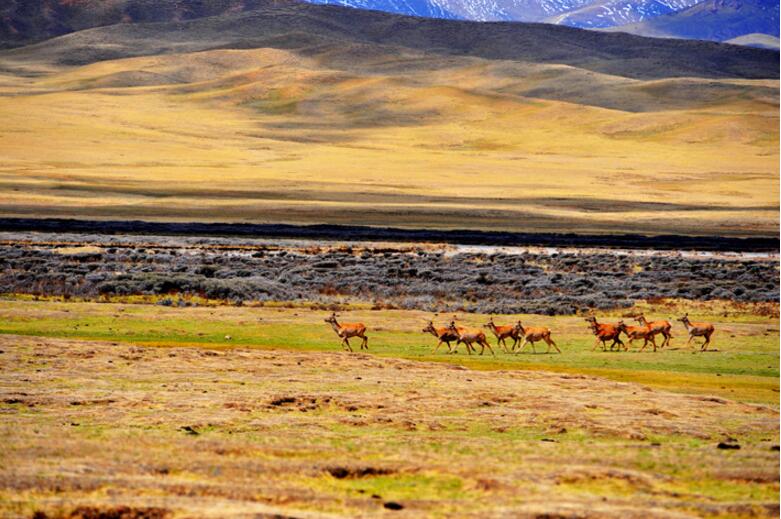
(605,332)
(534,334)
(443,334)
(698,330)
(348,330)
(638,332)
(469,336)
(502,333)
(657,327)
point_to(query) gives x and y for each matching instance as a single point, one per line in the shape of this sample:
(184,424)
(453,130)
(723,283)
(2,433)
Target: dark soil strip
(389,234)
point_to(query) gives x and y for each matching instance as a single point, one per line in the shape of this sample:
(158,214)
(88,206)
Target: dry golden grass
(267,135)
(184,432)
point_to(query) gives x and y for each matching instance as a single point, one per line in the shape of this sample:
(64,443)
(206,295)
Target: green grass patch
(745,367)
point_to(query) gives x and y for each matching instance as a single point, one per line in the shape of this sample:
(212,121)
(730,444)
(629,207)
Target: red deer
(534,334)
(657,327)
(469,336)
(698,330)
(605,332)
(443,334)
(502,333)
(348,330)
(638,332)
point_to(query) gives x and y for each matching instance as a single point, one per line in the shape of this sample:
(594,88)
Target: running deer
(534,334)
(348,330)
(657,327)
(605,332)
(502,333)
(443,334)
(638,332)
(698,330)
(469,336)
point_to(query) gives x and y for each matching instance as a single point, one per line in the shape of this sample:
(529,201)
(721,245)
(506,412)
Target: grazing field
(219,411)
(744,367)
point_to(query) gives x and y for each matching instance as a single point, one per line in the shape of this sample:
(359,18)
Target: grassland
(155,409)
(745,367)
(409,139)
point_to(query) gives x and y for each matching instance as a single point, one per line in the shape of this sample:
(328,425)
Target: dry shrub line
(422,279)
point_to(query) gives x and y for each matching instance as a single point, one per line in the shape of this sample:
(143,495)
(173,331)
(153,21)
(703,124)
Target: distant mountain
(27,21)
(478,10)
(425,8)
(292,24)
(608,13)
(716,20)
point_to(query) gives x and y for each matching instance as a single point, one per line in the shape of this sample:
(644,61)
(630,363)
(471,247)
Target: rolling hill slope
(754,39)
(309,114)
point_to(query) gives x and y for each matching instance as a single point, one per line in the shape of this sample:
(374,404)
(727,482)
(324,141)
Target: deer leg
(596,343)
(504,344)
(690,340)
(523,344)
(489,348)
(552,343)
(706,343)
(345,342)
(653,341)
(365,343)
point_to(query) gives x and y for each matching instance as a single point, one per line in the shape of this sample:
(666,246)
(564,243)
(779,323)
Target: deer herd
(518,333)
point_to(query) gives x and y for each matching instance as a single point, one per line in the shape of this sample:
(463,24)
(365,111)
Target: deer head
(685,318)
(640,318)
(519,327)
(621,325)
(490,323)
(430,328)
(331,319)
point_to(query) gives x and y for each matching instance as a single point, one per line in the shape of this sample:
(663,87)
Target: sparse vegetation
(429,278)
(203,427)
